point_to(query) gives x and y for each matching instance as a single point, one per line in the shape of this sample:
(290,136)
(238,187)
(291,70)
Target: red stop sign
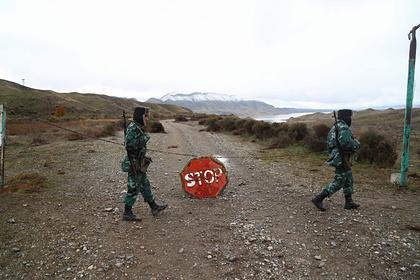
(204,177)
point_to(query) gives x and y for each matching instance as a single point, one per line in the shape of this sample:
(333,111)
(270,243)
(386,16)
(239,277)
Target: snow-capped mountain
(199,96)
(222,104)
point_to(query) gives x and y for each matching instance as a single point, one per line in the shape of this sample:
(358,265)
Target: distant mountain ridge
(223,104)
(199,96)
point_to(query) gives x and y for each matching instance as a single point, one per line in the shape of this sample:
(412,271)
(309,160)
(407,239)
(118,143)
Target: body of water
(282,118)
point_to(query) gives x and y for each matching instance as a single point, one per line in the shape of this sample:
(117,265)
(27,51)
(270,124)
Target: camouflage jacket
(347,142)
(135,140)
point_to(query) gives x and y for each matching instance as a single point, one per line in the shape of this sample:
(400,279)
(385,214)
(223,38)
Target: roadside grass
(295,153)
(363,172)
(37,133)
(25,183)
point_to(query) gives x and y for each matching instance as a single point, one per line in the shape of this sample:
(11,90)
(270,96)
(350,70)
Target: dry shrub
(263,130)
(240,123)
(155,126)
(208,119)
(92,129)
(213,126)
(212,123)
(59,111)
(38,140)
(108,130)
(26,128)
(198,117)
(120,125)
(315,143)
(240,127)
(239,131)
(280,128)
(298,131)
(316,140)
(74,137)
(26,182)
(248,125)
(282,140)
(321,130)
(228,123)
(181,118)
(375,148)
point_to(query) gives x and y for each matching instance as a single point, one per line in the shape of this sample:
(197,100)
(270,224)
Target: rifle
(132,164)
(340,149)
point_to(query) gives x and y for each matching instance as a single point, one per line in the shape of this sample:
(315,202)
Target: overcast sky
(309,53)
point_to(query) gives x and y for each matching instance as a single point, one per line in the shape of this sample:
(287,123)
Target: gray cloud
(306,53)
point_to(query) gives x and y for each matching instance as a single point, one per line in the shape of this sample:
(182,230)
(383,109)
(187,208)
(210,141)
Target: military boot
(129,215)
(156,208)
(317,200)
(350,203)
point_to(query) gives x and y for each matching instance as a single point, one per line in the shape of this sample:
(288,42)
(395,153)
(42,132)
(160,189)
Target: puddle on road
(222,159)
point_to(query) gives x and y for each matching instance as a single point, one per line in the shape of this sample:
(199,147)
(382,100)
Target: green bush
(375,148)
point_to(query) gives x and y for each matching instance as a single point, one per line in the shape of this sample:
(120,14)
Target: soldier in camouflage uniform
(135,142)
(343,174)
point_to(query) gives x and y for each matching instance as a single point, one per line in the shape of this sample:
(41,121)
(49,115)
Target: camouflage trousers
(342,179)
(135,185)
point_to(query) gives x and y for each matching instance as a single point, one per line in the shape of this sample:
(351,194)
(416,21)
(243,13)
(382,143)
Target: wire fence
(414,162)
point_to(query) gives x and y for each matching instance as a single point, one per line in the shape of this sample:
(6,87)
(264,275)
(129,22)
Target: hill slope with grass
(25,102)
(389,122)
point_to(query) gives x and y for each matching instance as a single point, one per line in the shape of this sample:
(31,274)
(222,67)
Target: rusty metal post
(408,108)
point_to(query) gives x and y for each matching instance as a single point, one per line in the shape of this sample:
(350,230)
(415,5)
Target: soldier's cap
(345,113)
(140,111)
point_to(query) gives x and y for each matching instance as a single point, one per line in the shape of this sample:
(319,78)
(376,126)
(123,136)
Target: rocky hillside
(26,102)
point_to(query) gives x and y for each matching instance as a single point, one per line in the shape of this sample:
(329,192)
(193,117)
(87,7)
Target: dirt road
(262,227)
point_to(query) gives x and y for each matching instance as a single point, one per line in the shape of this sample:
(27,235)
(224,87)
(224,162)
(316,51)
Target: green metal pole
(3,143)
(408,108)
